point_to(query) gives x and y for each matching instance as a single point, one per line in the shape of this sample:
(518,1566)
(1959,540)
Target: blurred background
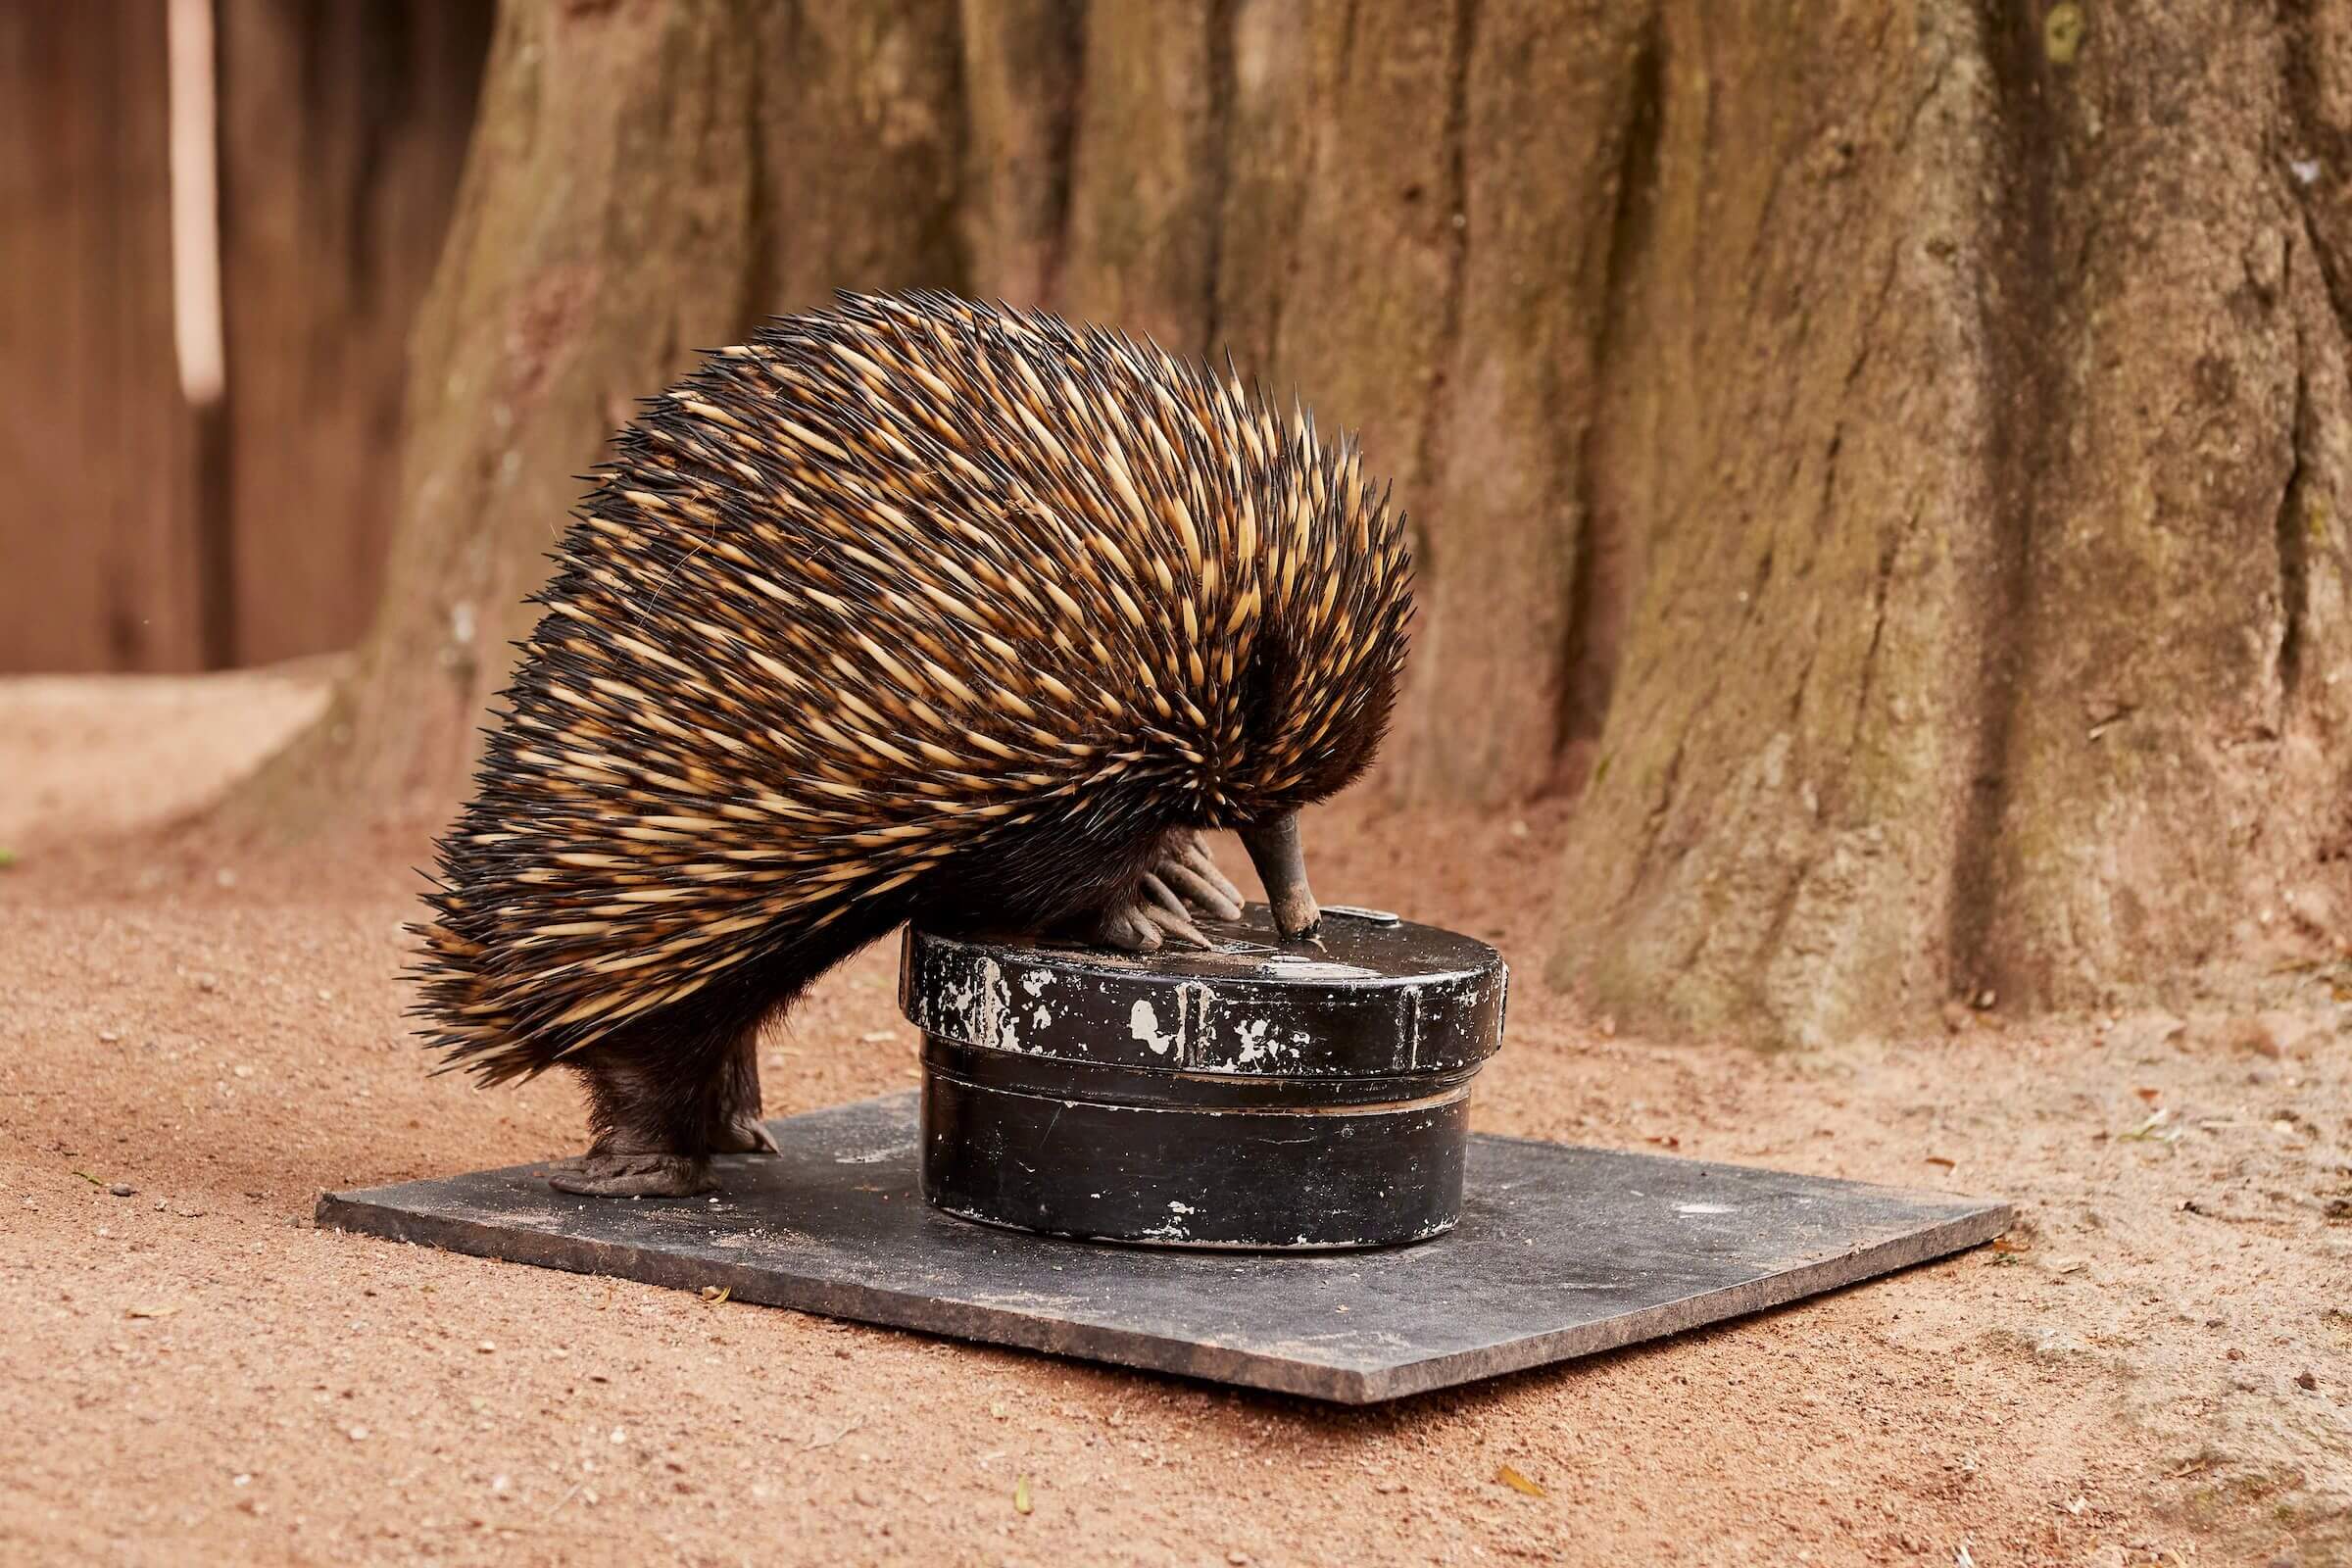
(155,524)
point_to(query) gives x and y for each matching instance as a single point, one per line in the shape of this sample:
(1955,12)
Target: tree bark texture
(1884,459)
(1973,427)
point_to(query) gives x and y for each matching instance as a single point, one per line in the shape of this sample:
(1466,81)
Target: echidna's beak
(1273,847)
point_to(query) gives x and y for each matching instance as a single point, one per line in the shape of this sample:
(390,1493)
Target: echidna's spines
(879,594)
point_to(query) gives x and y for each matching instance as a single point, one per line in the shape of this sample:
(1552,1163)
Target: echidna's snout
(1273,847)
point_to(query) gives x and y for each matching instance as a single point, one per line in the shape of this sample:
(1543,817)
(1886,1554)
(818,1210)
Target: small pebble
(865,1497)
(2306,1381)
(206,982)
(109,1037)
(123,1190)
(486,1347)
(359,1434)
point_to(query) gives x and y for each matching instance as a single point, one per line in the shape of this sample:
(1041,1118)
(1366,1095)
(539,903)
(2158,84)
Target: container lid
(1379,995)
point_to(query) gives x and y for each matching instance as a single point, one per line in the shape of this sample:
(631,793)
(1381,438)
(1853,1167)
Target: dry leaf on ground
(1518,1483)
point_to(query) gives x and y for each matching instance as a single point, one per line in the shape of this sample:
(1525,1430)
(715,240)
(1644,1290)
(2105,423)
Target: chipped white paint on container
(1261,1095)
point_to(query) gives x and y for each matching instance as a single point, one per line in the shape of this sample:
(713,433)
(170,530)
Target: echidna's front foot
(1159,910)
(1139,925)
(1186,869)
(608,1175)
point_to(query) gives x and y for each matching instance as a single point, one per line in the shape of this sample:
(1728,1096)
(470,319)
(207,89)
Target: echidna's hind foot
(1159,908)
(663,1100)
(610,1175)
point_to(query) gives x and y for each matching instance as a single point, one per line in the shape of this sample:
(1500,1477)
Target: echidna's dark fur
(912,607)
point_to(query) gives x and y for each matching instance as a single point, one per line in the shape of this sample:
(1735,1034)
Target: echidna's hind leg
(1158,909)
(661,1101)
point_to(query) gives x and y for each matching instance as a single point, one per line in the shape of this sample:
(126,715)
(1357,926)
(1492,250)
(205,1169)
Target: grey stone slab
(1562,1251)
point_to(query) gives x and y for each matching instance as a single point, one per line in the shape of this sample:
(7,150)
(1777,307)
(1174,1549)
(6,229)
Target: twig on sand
(827,1443)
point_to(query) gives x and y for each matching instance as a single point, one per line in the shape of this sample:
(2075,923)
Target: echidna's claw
(1145,920)
(750,1136)
(1163,900)
(1196,879)
(1125,928)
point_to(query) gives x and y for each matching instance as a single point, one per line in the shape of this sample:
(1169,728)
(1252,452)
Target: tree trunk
(145,531)
(99,453)
(1977,404)
(1888,466)
(342,132)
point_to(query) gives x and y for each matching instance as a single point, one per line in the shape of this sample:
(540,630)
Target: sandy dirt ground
(2152,1369)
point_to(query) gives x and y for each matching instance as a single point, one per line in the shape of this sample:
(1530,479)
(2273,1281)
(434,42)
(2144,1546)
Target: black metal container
(1264,1095)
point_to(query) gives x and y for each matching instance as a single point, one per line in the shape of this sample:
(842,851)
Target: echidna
(912,608)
